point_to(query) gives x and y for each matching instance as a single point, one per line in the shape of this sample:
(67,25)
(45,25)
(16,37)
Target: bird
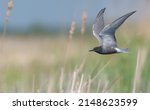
(106,34)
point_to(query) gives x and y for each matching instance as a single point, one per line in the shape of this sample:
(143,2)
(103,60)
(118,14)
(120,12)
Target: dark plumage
(106,34)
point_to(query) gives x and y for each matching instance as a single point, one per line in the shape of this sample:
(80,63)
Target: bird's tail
(124,50)
(121,50)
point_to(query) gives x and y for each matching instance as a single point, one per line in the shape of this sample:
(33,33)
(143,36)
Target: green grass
(54,65)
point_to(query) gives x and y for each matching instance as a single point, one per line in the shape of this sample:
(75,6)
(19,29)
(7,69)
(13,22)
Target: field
(62,64)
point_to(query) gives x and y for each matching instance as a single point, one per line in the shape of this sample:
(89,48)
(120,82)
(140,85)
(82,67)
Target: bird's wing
(98,24)
(108,33)
(111,28)
(108,41)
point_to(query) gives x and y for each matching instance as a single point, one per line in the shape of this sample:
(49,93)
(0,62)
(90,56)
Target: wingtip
(103,9)
(132,12)
(101,12)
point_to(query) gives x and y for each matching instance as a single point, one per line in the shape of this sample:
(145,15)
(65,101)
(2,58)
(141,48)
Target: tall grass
(65,65)
(8,12)
(141,58)
(40,67)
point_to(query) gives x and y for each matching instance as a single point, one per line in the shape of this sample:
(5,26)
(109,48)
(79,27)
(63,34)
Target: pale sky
(59,12)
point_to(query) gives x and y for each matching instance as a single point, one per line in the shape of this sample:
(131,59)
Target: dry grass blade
(51,85)
(61,81)
(71,32)
(9,8)
(75,76)
(81,83)
(73,81)
(109,85)
(141,57)
(84,17)
(101,70)
(98,86)
(89,84)
(8,12)
(72,29)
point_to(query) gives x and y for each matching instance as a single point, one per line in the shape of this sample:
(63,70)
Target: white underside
(121,50)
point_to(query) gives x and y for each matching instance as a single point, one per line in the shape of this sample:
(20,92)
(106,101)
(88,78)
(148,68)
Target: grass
(63,64)
(37,65)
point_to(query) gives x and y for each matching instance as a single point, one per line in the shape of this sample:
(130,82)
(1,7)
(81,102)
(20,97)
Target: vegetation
(63,63)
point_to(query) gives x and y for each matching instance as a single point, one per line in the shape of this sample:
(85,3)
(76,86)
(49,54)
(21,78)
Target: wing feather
(108,33)
(98,24)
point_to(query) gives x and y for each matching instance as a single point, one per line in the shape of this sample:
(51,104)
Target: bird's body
(106,34)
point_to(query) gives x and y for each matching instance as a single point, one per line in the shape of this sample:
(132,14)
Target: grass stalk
(141,58)
(8,12)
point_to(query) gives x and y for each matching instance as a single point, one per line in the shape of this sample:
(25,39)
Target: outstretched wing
(108,33)
(98,24)
(111,28)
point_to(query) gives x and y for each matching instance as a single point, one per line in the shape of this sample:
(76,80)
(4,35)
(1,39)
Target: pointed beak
(91,50)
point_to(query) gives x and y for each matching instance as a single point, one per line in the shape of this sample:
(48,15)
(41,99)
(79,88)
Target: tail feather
(122,50)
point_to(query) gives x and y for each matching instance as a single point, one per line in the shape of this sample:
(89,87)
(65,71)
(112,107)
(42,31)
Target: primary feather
(98,24)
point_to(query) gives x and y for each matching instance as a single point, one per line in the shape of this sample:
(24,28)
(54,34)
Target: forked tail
(124,50)
(121,50)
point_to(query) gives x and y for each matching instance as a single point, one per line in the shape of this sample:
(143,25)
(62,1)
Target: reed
(8,13)
(83,26)
(70,36)
(141,58)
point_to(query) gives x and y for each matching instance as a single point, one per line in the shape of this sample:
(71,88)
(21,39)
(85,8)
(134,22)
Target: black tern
(106,34)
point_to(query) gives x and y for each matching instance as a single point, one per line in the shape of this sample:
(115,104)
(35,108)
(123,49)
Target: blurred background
(44,47)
